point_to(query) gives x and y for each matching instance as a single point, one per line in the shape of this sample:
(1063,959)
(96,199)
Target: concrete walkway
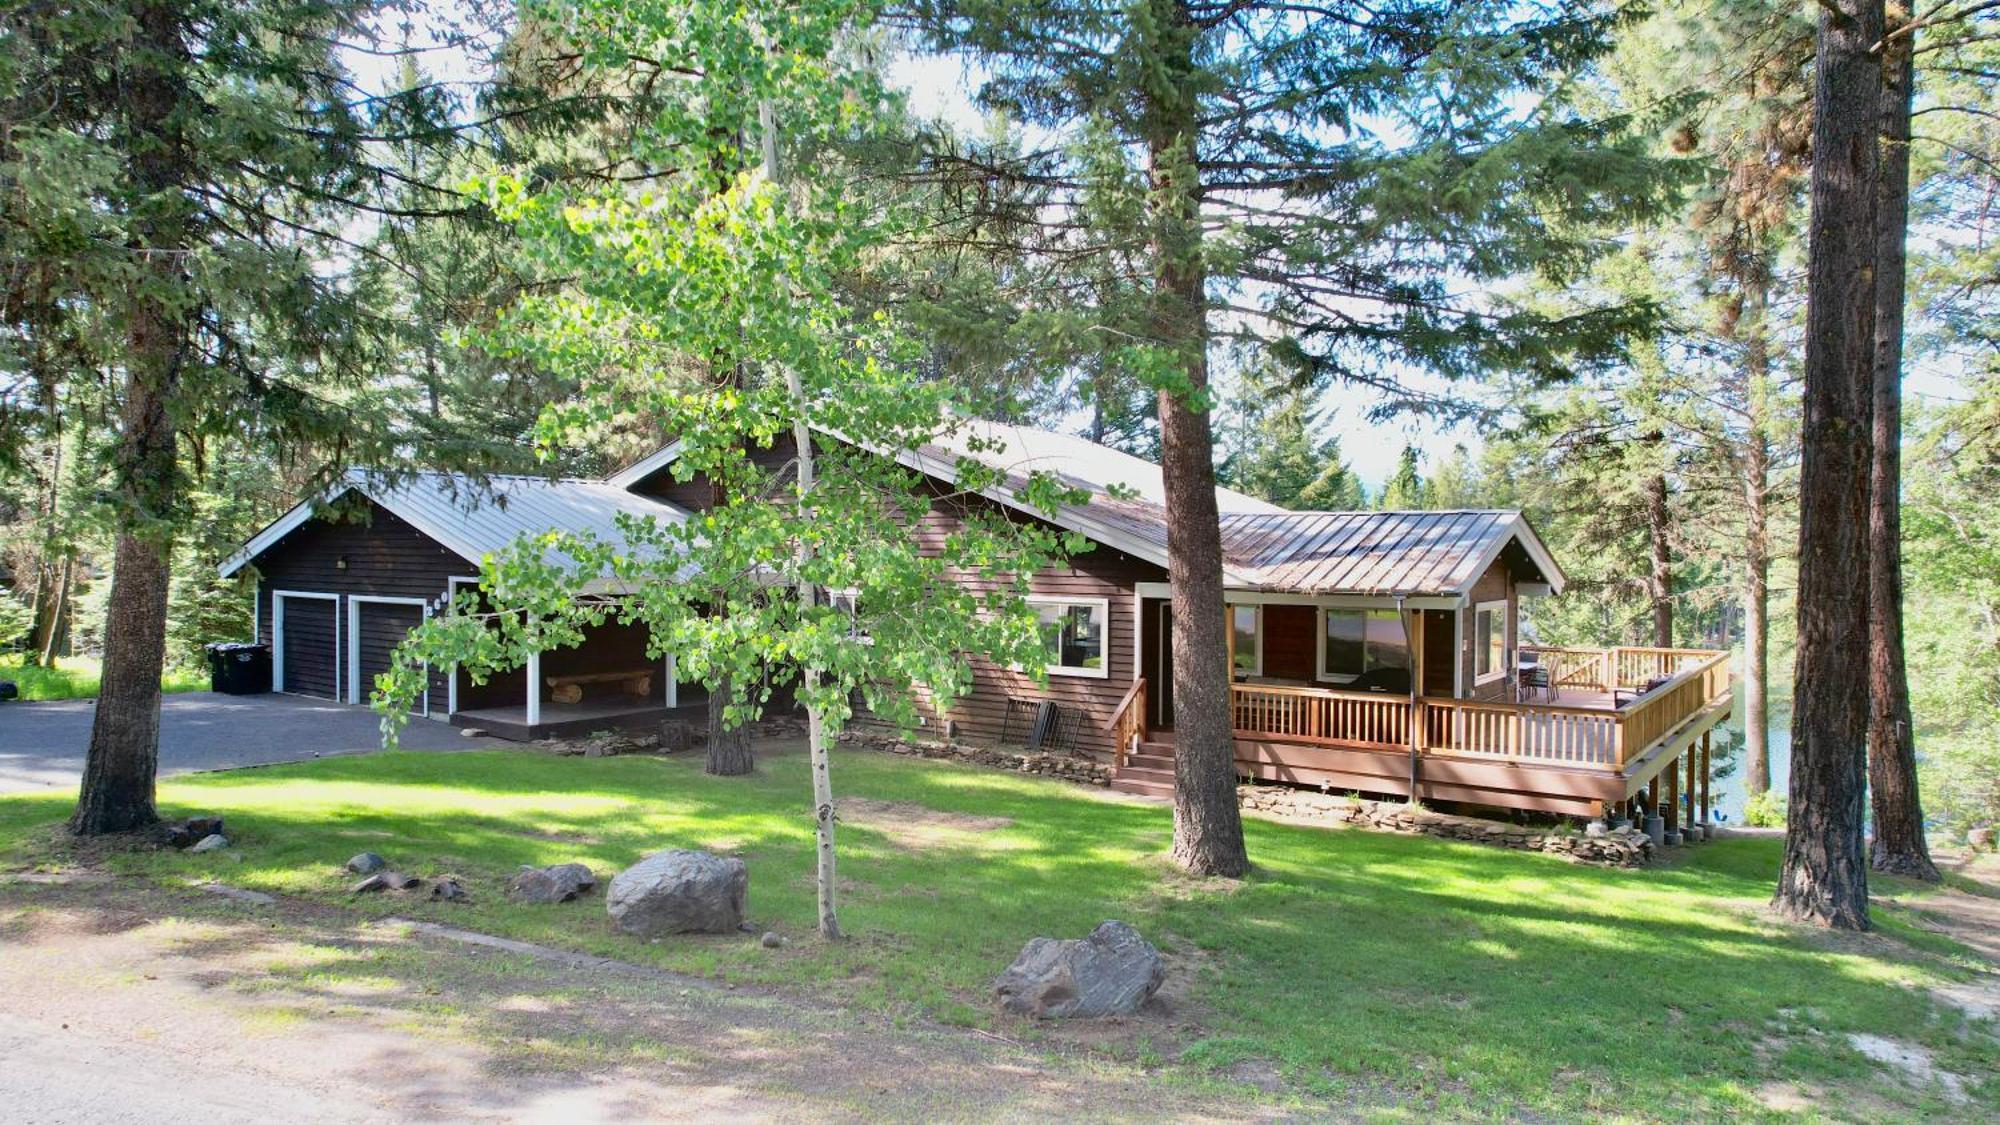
(42,744)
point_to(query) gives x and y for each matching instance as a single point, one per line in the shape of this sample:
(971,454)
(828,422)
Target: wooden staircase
(1147,771)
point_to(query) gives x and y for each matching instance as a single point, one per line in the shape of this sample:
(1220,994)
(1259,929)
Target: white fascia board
(646,466)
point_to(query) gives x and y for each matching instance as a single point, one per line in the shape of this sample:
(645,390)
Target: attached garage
(343,578)
(305,643)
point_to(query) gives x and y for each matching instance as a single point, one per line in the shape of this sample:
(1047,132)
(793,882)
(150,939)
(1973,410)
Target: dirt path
(127,1002)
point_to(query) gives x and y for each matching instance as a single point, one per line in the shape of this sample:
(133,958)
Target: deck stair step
(1127,784)
(1148,770)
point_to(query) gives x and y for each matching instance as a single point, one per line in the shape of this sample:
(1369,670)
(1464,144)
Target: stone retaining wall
(1084,771)
(1615,847)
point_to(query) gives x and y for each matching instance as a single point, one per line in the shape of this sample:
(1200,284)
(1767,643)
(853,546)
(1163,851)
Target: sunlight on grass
(1479,981)
(75,677)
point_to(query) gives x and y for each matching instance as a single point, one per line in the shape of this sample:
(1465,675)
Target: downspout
(1416,692)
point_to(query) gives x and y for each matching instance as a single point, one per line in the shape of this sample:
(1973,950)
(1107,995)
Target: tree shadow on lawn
(1449,969)
(494,1030)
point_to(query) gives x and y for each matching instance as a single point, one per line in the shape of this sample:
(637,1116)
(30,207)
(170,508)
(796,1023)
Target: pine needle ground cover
(1360,967)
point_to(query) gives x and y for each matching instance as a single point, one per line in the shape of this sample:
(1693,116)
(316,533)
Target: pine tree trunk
(1208,826)
(728,747)
(1825,875)
(1757,538)
(123,757)
(1899,847)
(1661,581)
(1757,659)
(54,560)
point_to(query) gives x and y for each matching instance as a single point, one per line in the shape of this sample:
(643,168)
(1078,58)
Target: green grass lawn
(1488,982)
(75,677)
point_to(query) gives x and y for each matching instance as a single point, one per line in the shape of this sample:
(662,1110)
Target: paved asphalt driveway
(42,744)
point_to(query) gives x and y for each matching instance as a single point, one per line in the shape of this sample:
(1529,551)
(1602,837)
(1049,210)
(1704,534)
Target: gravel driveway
(42,744)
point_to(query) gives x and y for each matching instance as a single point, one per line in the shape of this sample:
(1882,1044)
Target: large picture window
(1362,645)
(1489,640)
(1077,635)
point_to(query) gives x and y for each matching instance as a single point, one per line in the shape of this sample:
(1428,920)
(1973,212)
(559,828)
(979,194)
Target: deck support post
(1707,829)
(1656,825)
(534,689)
(1689,831)
(1673,805)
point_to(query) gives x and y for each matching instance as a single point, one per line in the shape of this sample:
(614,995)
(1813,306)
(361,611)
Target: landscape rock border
(1616,847)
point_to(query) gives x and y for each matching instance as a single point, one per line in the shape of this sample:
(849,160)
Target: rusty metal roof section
(1413,553)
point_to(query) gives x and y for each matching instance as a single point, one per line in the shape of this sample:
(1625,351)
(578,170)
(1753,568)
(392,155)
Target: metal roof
(1264,547)
(474,516)
(1414,553)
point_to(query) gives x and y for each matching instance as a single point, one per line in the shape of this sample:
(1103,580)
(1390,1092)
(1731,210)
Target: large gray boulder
(1110,973)
(679,892)
(559,883)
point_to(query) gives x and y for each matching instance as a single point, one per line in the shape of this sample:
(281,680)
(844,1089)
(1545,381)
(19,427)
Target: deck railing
(1550,734)
(1127,723)
(1609,669)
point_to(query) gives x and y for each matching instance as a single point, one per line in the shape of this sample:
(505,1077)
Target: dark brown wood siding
(1440,628)
(1291,642)
(1101,573)
(385,557)
(697,495)
(610,647)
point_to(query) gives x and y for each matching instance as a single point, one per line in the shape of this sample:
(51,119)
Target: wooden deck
(571,720)
(1602,741)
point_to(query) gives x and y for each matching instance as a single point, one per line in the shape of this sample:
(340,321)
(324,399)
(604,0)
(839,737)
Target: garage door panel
(311,646)
(380,627)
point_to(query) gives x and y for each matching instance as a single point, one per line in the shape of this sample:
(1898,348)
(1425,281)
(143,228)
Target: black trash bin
(239,668)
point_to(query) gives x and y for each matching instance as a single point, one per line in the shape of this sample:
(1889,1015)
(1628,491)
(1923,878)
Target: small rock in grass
(772,940)
(177,836)
(449,889)
(558,883)
(367,863)
(471,732)
(214,841)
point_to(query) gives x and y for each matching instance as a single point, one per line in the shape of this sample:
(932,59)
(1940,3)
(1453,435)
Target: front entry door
(1163,679)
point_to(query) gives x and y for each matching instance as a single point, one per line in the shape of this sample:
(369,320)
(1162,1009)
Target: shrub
(1765,810)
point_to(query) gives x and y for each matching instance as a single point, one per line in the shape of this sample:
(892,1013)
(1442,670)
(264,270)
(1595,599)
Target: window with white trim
(1489,640)
(1246,626)
(1355,642)
(848,601)
(1077,633)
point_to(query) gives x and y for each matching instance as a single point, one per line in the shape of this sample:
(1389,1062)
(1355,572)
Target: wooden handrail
(1128,722)
(1124,701)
